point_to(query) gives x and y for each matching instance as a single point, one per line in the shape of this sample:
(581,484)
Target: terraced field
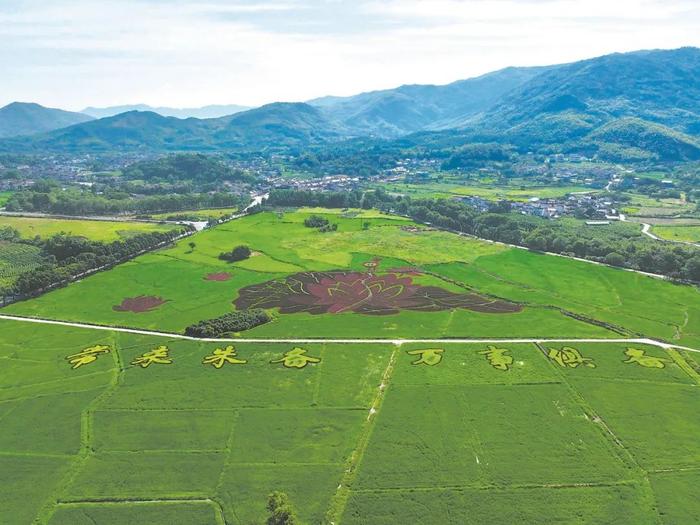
(110,427)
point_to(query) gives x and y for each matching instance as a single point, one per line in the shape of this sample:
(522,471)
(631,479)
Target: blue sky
(75,53)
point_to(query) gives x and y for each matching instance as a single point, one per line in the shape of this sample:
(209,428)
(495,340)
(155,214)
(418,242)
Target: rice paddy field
(554,296)
(684,233)
(102,426)
(204,215)
(362,433)
(107,231)
(16,258)
(433,190)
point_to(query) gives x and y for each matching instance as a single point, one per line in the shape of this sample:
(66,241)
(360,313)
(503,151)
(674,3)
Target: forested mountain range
(641,105)
(24,118)
(210,111)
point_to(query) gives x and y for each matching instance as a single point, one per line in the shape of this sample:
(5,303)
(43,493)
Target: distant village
(595,206)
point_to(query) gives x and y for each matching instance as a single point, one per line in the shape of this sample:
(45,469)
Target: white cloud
(74,53)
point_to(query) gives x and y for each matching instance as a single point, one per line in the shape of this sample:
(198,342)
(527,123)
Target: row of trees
(228,323)
(618,245)
(329,199)
(67,257)
(77,202)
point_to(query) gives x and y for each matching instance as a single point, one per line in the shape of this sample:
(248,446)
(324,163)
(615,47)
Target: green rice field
(558,297)
(30,227)
(367,433)
(99,425)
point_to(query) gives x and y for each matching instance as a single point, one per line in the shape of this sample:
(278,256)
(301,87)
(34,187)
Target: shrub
(239,253)
(315,221)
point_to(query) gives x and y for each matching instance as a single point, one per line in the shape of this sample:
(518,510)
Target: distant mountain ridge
(210,111)
(27,118)
(645,104)
(411,108)
(278,125)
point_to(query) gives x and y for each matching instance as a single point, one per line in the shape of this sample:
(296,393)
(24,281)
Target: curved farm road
(646,230)
(173,335)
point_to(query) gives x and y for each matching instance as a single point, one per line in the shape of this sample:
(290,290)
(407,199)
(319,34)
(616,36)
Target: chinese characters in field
(430,356)
(87,356)
(647,361)
(221,356)
(157,356)
(296,358)
(569,357)
(499,358)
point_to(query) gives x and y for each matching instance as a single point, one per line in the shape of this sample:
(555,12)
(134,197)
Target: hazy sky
(74,53)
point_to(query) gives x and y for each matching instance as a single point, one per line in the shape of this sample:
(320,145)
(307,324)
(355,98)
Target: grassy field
(203,215)
(30,227)
(557,297)
(689,233)
(378,434)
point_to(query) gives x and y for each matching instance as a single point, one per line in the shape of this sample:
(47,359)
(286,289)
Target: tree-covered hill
(20,118)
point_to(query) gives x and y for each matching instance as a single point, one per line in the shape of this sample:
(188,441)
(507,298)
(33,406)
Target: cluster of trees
(320,223)
(315,221)
(8,233)
(281,510)
(477,154)
(231,322)
(618,245)
(328,199)
(185,166)
(67,257)
(81,202)
(239,253)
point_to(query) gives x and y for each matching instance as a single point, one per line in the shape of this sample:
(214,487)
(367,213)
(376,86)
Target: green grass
(494,193)
(30,227)
(4,197)
(678,233)
(456,506)
(160,513)
(677,496)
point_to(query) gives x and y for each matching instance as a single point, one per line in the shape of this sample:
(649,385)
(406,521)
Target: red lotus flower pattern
(365,293)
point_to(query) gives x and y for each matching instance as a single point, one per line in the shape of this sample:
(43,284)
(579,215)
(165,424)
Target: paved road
(172,335)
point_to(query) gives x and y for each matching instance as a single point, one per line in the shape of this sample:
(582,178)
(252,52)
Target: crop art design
(142,303)
(365,293)
(221,276)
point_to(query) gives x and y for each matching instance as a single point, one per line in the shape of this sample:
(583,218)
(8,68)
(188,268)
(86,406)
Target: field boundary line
(320,340)
(684,365)
(338,503)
